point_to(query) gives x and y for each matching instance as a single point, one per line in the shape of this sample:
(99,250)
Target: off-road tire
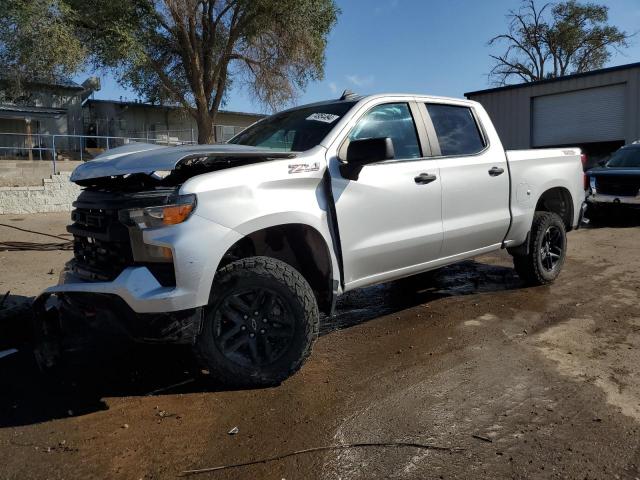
(530,267)
(290,287)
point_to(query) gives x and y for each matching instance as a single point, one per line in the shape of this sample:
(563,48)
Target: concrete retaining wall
(54,195)
(19,173)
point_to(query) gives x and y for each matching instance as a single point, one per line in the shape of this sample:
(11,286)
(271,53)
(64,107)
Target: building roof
(32,110)
(65,83)
(171,107)
(62,83)
(628,66)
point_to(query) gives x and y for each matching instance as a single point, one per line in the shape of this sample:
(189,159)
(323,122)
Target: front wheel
(547,250)
(260,325)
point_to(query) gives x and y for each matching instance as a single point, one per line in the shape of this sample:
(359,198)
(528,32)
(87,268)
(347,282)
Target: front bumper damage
(135,305)
(65,322)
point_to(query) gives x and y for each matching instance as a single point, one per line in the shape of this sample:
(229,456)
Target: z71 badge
(304,167)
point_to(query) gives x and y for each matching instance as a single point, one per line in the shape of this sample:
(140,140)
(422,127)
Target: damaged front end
(107,230)
(129,225)
(68,322)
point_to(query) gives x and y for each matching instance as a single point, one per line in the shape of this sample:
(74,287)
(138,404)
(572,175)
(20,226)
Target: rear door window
(457,130)
(393,120)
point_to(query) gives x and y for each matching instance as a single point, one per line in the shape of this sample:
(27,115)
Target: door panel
(387,221)
(475,211)
(390,218)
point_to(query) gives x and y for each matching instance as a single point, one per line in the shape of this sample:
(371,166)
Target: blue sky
(417,46)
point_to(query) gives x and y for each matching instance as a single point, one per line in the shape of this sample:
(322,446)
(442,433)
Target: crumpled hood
(149,158)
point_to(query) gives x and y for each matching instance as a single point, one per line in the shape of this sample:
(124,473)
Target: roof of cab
(354,98)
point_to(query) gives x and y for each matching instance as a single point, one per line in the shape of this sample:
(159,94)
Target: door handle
(424,178)
(495,171)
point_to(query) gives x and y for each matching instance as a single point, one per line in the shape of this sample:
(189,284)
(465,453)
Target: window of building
(228,132)
(456,129)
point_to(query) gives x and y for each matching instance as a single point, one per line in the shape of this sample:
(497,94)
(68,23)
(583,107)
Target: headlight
(151,217)
(592,184)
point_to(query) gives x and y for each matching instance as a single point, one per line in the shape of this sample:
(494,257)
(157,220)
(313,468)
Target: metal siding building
(598,111)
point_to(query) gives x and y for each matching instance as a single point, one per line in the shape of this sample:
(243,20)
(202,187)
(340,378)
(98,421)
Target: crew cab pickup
(235,248)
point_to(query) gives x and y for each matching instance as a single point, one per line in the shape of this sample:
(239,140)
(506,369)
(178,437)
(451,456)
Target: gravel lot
(516,382)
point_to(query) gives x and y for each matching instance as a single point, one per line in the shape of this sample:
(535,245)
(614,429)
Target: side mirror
(363,152)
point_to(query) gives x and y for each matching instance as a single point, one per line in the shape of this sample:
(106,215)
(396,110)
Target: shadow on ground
(463,278)
(116,369)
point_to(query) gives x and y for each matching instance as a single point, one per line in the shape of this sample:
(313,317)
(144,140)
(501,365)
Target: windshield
(294,130)
(625,158)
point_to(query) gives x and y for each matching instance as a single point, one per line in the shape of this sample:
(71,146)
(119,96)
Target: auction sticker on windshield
(323,117)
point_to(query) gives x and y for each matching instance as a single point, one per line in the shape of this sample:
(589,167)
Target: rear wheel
(261,323)
(547,250)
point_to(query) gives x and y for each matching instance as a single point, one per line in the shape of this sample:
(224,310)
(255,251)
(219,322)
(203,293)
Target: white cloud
(333,87)
(359,80)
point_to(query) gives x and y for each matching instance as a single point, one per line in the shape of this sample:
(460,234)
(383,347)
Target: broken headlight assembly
(176,211)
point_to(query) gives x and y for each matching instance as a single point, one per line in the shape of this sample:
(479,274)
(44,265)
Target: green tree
(37,43)
(553,40)
(190,51)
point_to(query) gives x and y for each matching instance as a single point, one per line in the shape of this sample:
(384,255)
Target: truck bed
(536,171)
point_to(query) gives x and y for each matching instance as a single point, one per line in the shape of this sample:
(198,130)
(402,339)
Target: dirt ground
(516,382)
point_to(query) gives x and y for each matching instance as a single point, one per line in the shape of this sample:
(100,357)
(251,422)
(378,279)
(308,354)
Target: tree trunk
(29,139)
(205,128)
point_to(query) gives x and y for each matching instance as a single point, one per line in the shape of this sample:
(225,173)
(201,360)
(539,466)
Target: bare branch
(556,39)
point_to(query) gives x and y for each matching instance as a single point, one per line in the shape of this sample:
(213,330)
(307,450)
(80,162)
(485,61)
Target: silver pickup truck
(236,248)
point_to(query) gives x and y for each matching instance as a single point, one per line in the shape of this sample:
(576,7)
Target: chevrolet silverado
(236,248)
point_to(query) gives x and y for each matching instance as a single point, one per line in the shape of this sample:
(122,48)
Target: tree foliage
(555,39)
(190,51)
(37,43)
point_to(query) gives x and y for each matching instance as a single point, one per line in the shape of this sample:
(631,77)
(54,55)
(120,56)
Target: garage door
(584,116)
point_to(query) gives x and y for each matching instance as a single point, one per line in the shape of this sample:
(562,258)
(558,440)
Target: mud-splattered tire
(260,325)
(547,250)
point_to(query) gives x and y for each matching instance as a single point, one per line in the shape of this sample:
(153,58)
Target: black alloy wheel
(546,251)
(552,248)
(253,327)
(260,324)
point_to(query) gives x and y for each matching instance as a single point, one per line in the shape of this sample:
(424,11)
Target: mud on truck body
(236,248)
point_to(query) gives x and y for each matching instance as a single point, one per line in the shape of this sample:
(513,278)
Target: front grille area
(619,185)
(101,244)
